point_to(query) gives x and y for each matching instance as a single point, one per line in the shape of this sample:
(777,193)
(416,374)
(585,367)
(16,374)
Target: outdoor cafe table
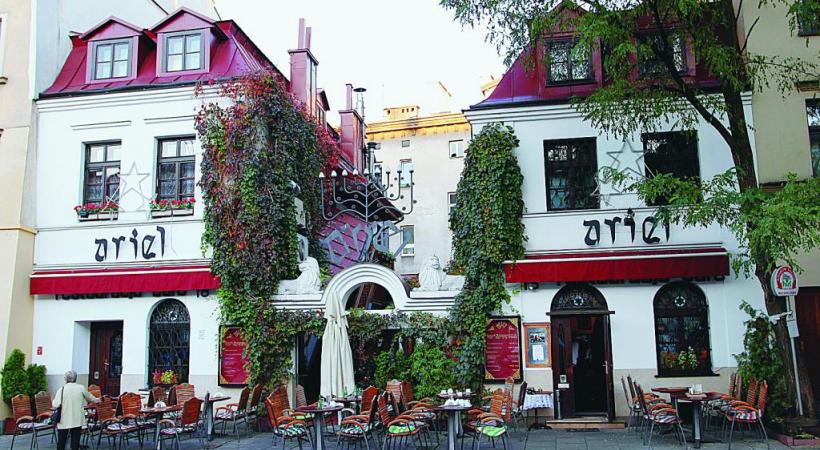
(697,412)
(157,413)
(209,413)
(319,420)
(674,393)
(453,422)
(351,400)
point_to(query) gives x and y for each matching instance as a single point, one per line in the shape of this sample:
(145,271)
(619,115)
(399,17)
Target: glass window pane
(186,147)
(94,176)
(113,152)
(169,149)
(167,188)
(175,45)
(186,188)
(95,153)
(121,51)
(408,236)
(192,61)
(168,171)
(193,43)
(103,71)
(93,193)
(174,63)
(187,170)
(815,153)
(104,53)
(120,69)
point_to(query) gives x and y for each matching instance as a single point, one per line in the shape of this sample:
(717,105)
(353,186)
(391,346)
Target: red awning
(625,265)
(123,279)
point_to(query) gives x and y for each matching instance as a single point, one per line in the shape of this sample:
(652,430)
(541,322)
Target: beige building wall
(781,124)
(16,179)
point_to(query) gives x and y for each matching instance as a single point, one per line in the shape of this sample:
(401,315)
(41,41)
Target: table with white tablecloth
(535,402)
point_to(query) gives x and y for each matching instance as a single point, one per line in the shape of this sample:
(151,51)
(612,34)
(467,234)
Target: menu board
(232,360)
(537,336)
(502,354)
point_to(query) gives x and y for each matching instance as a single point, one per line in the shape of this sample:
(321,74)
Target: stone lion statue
(433,278)
(308,282)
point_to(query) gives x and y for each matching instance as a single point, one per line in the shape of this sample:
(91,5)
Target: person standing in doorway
(72,398)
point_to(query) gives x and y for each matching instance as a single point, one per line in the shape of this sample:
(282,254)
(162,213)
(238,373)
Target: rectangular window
(183,52)
(567,62)
(405,143)
(102,173)
(813,116)
(457,149)
(408,237)
(451,202)
(650,65)
(674,153)
(571,166)
(406,168)
(176,169)
(112,60)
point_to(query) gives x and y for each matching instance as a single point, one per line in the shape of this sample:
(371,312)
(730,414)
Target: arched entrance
(582,352)
(367,286)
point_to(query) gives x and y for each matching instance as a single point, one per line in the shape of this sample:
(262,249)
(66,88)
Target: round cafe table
(209,413)
(674,393)
(456,396)
(319,421)
(453,422)
(697,402)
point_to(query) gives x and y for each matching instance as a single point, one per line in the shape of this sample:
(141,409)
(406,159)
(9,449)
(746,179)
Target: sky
(399,50)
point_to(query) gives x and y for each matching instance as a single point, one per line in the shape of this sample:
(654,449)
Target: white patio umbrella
(337,359)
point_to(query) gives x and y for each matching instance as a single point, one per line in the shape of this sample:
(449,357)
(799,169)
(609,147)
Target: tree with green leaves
(771,227)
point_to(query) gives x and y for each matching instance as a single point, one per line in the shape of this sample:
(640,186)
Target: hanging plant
(487,230)
(259,152)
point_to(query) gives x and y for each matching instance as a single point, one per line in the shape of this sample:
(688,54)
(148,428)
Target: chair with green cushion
(398,430)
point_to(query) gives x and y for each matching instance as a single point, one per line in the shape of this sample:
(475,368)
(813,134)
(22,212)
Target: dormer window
(653,44)
(183,51)
(567,62)
(112,59)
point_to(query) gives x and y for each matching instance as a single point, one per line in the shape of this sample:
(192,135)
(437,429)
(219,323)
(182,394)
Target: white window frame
(404,178)
(409,249)
(451,202)
(4,19)
(457,154)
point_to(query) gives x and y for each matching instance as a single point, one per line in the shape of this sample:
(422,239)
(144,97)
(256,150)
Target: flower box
(172,208)
(107,215)
(97,211)
(155,213)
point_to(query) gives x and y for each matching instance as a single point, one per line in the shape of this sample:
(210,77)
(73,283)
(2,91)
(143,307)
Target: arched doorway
(582,352)
(169,346)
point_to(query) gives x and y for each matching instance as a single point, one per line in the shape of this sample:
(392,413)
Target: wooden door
(106,357)
(807,306)
(562,368)
(610,385)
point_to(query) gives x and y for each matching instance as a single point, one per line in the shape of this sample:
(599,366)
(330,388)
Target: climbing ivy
(261,151)
(487,230)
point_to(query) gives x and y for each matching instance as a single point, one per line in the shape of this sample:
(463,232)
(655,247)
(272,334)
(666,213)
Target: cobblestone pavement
(535,440)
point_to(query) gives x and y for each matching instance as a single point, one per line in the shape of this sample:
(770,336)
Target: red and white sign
(784,282)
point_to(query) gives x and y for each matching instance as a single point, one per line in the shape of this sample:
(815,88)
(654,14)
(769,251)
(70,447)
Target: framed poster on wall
(232,360)
(537,337)
(502,352)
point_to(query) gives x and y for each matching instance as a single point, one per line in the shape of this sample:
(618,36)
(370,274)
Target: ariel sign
(784,281)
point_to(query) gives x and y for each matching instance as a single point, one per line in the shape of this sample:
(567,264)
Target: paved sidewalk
(536,440)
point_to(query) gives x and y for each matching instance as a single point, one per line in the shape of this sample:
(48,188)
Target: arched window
(682,331)
(170,339)
(578,297)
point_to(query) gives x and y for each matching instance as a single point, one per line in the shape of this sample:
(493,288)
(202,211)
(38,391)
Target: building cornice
(149,96)
(412,126)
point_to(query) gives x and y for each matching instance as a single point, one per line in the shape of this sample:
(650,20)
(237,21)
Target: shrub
(36,379)
(14,377)
(391,366)
(432,371)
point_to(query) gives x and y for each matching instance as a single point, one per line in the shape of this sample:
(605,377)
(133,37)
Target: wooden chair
(420,409)
(359,427)
(188,423)
(94,390)
(235,413)
(749,413)
(106,422)
(299,396)
(518,412)
(396,427)
(184,392)
(284,426)
(24,421)
(130,421)
(157,394)
(659,414)
(493,424)
(253,406)
(42,407)
(368,394)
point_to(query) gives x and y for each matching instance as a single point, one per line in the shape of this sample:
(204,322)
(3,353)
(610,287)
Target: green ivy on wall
(487,231)
(261,151)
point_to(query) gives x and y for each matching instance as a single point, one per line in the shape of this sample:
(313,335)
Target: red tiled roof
(232,55)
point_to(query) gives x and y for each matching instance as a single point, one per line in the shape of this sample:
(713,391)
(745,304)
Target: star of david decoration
(132,181)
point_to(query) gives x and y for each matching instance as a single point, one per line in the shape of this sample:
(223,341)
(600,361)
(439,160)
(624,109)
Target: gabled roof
(179,11)
(231,57)
(111,21)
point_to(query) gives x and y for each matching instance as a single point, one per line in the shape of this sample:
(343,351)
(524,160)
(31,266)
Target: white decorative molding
(172,119)
(95,126)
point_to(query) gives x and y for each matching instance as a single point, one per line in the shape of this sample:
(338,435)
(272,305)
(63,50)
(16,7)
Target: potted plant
(165,378)
(15,381)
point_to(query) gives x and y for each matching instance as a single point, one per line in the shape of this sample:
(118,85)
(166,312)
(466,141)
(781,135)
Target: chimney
(351,131)
(303,70)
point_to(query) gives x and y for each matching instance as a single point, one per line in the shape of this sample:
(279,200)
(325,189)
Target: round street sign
(784,281)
